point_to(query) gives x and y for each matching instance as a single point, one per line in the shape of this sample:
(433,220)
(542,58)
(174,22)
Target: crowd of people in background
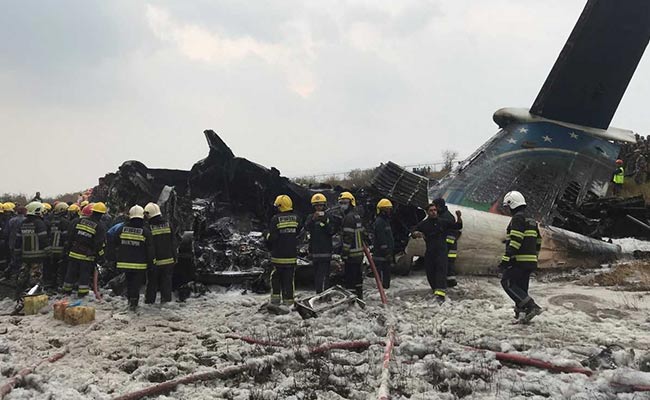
(634,157)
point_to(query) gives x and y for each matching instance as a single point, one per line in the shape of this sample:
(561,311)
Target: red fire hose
(382,294)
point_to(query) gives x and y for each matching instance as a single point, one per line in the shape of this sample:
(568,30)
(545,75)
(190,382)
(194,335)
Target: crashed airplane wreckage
(559,154)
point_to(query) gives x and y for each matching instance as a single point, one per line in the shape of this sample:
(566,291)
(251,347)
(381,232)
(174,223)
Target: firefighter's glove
(504,266)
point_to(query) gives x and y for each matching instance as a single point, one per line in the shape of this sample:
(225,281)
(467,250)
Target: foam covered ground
(435,358)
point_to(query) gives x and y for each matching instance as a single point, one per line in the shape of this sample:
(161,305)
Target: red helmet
(87,211)
(619,162)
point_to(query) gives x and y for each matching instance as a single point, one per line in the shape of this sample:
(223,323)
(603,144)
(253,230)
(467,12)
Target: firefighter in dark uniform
(452,241)
(434,230)
(159,277)
(58,228)
(384,243)
(282,239)
(32,246)
(320,230)
(523,242)
(352,238)
(85,248)
(134,253)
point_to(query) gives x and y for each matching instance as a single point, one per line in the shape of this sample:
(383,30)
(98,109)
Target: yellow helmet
(348,196)
(47,206)
(99,208)
(283,203)
(60,207)
(74,208)
(2,208)
(84,203)
(9,206)
(383,204)
(318,198)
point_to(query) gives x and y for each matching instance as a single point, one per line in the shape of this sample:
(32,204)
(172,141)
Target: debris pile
(223,204)
(610,217)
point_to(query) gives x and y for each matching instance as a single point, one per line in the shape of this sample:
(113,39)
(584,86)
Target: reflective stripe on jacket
(523,241)
(32,242)
(283,238)
(134,246)
(163,243)
(352,235)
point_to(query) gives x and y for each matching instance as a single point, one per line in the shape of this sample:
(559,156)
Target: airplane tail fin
(596,64)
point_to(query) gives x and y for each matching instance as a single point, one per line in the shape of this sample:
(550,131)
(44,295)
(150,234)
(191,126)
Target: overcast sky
(306,86)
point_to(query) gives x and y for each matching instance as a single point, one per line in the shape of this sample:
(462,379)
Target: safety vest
(619,177)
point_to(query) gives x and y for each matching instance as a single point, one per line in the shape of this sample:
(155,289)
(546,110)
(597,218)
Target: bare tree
(448,157)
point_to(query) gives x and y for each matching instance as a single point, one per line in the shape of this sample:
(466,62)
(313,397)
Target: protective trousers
(435,264)
(79,271)
(49,273)
(282,283)
(354,277)
(321,274)
(134,281)
(159,279)
(30,274)
(451,267)
(515,282)
(383,268)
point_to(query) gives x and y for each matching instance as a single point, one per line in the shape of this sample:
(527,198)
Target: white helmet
(34,208)
(513,200)
(152,210)
(136,212)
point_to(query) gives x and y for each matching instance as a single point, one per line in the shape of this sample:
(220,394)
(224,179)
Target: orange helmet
(619,162)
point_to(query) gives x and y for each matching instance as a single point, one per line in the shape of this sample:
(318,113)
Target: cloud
(203,45)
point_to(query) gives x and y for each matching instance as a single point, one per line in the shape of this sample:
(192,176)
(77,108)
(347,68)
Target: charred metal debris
(221,207)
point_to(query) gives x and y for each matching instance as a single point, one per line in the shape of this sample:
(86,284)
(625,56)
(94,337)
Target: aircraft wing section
(596,64)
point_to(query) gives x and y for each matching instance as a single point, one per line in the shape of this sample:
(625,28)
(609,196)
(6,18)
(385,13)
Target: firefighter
(73,211)
(282,240)
(85,248)
(58,228)
(434,230)
(47,209)
(16,217)
(384,246)
(352,236)
(32,247)
(523,242)
(320,230)
(134,253)
(451,240)
(618,178)
(159,277)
